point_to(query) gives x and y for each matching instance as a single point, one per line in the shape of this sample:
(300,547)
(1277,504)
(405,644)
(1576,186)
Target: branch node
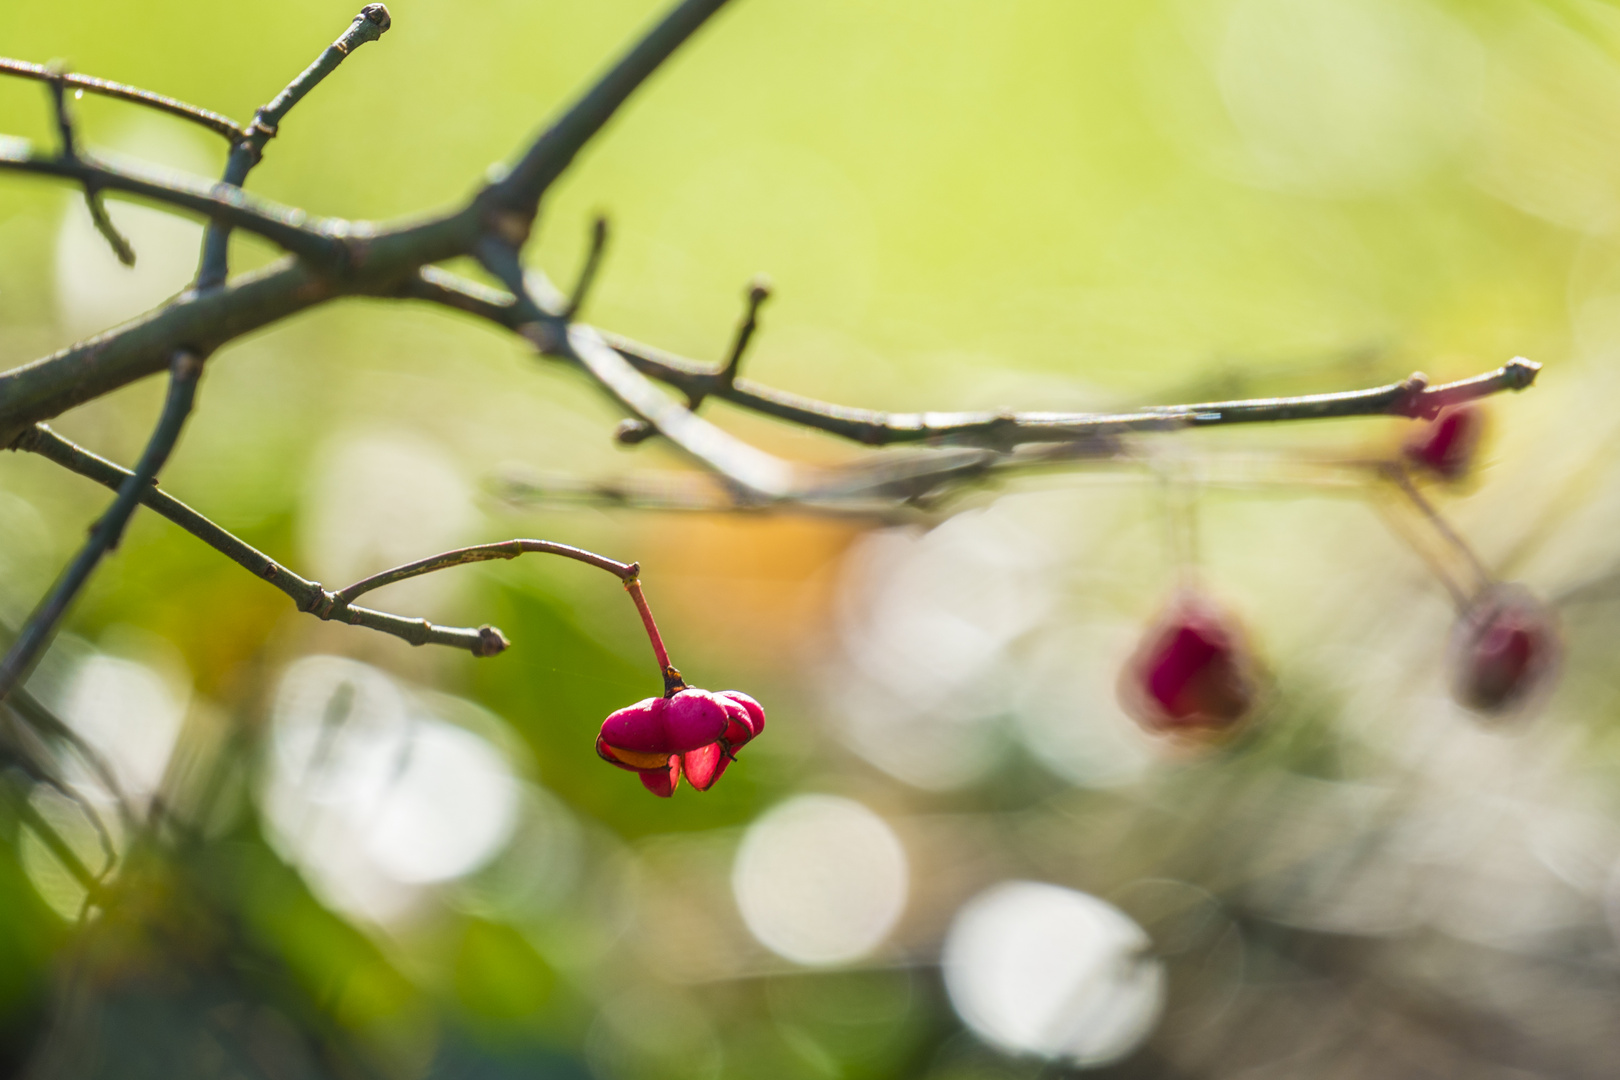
(547,337)
(1411,400)
(41,627)
(510,226)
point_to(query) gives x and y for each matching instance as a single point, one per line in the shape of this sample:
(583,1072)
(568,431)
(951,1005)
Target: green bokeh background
(1038,204)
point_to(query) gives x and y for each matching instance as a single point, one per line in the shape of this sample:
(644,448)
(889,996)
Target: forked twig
(310,596)
(247,151)
(41,625)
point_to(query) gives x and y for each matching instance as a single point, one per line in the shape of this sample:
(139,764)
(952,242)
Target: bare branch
(518,193)
(756,474)
(505,549)
(684,492)
(759,475)
(340,258)
(369,25)
(1412,397)
(104,225)
(318,240)
(213,121)
(308,595)
(41,625)
(631,432)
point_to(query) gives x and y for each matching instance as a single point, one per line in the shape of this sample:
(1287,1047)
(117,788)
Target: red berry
(694,732)
(1192,672)
(1445,445)
(644,735)
(1504,649)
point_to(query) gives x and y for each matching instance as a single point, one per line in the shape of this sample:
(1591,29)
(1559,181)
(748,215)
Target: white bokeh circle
(820,880)
(1039,969)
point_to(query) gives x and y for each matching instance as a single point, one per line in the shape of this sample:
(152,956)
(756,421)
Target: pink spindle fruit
(1192,672)
(1504,650)
(1445,445)
(694,733)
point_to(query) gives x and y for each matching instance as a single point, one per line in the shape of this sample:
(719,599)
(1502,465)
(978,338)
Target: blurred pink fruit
(1445,445)
(1192,672)
(1504,650)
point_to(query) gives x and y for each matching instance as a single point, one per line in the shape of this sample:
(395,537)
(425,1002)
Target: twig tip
(1520,372)
(491,642)
(630,431)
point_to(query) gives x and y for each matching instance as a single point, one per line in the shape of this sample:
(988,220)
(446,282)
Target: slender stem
(587,273)
(41,625)
(758,475)
(68,147)
(1403,482)
(506,549)
(122,248)
(1425,551)
(369,25)
(673,683)
(632,431)
(759,291)
(213,121)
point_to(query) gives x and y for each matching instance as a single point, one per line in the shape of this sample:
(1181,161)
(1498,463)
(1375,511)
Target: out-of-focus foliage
(379,860)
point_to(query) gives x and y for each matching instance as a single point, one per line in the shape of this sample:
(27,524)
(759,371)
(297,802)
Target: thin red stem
(672,678)
(1403,482)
